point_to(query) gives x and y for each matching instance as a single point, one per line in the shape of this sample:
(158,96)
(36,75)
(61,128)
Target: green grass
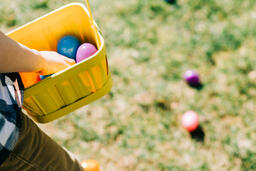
(150,44)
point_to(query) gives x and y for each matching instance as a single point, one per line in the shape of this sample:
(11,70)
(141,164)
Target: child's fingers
(67,60)
(55,62)
(70,61)
(57,68)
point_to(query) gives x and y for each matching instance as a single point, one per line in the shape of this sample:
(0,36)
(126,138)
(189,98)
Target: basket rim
(45,15)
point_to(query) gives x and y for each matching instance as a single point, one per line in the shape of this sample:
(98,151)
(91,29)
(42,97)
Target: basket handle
(95,31)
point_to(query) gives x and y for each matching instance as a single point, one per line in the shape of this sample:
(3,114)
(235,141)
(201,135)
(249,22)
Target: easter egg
(192,78)
(190,121)
(84,51)
(44,76)
(29,78)
(68,46)
(91,165)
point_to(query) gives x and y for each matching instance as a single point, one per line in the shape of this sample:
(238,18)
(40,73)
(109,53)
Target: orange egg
(29,78)
(91,165)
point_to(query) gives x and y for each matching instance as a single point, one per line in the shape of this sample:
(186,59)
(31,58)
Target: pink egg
(190,121)
(84,51)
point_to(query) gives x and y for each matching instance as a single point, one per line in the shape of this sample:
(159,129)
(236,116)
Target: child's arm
(15,57)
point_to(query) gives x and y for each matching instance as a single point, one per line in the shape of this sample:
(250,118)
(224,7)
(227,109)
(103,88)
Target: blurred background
(150,44)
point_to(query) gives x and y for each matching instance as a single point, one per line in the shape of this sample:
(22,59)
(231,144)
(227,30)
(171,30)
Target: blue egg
(68,46)
(44,76)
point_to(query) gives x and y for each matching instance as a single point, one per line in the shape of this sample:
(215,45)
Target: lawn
(150,45)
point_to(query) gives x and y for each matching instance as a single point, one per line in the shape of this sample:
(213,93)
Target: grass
(150,44)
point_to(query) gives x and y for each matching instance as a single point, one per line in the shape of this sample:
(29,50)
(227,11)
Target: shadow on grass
(172,2)
(198,87)
(198,134)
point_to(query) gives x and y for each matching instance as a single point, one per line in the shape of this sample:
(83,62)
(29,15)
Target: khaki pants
(35,151)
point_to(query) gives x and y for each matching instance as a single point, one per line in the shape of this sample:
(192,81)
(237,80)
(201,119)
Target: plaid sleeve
(11,95)
(8,137)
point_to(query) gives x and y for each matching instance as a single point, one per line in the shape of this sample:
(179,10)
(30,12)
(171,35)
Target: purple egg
(192,78)
(84,51)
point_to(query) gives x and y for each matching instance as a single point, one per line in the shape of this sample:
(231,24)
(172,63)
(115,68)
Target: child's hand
(15,57)
(54,62)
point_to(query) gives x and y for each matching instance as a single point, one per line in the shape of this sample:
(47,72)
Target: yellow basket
(76,86)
